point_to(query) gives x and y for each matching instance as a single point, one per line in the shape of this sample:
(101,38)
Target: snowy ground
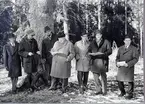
(73,96)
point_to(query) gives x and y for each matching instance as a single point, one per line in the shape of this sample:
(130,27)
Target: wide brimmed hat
(84,35)
(127,36)
(61,34)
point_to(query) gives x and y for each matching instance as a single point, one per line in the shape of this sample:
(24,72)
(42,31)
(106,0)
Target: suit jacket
(29,62)
(46,47)
(100,62)
(130,56)
(82,57)
(12,60)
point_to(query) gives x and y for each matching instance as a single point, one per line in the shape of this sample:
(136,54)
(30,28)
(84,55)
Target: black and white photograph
(72,51)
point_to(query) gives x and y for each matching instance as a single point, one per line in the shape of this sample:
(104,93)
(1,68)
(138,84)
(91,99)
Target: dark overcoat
(61,68)
(29,62)
(46,47)
(12,60)
(100,62)
(130,56)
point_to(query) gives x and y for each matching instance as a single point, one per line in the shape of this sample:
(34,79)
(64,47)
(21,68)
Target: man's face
(127,41)
(12,40)
(85,38)
(98,36)
(48,34)
(30,36)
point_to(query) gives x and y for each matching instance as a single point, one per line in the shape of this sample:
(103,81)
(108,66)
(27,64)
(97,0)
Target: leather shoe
(121,94)
(81,90)
(52,88)
(97,93)
(129,96)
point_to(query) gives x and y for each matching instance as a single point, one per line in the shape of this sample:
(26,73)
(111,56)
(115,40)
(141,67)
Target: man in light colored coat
(63,53)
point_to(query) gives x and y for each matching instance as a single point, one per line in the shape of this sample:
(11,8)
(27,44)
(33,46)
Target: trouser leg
(121,87)
(80,78)
(48,70)
(85,79)
(97,82)
(64,84)
(53,83)
(29,77)
(104,82)
(35,79)
(14,83)
(45,79)
(130,88)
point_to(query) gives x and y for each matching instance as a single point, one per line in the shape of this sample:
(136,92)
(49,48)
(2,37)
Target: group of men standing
(55,61)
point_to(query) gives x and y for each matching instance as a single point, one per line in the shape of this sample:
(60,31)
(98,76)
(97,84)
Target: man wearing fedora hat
(63,53)
(126,58)
(28,49)
(12,61)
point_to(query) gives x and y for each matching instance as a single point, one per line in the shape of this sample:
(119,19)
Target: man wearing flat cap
(28,49)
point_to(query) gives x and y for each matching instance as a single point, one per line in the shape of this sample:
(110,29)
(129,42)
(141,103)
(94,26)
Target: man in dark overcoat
(28,49)
(100,49)
(12,61)
(126,58)
(46,46)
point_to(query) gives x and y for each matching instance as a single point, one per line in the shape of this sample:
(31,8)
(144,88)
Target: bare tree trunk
(99,14)
(41,15)
(87,26)
(125,17)
(65,23)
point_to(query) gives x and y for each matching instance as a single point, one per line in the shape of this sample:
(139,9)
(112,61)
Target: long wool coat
(12,60)
(60,67)
(30,62)
(130,56)
(100,62)
(82,57)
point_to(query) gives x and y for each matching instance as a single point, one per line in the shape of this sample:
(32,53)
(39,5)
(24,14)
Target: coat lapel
(127,50)
(10,48)
(15,48)
(28,43)
(100,45)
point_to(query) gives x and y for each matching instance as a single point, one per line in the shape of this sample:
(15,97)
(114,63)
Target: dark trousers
(101,85)
(55,82)
(130,87)
(29,78)
(48,70)
(43,76)
(14,83)
(82,78)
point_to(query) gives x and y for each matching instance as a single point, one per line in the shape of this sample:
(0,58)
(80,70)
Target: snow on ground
(73,96)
